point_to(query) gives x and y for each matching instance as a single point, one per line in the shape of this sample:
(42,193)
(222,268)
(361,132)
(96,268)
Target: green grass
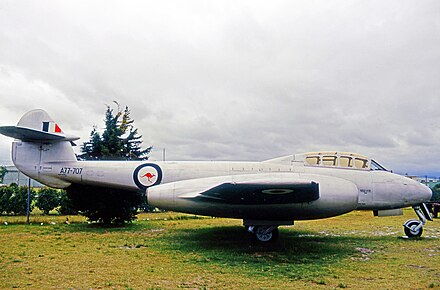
(170,250)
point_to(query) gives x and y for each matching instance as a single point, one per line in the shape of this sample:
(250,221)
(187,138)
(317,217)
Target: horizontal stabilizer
(28,134)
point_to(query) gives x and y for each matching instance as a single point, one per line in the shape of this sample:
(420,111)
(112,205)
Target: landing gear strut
(414,228)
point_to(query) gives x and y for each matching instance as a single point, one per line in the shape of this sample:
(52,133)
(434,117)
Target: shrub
(66,206)
(18,199)
(105,205)
(5,195)
(436,193)
(48,199)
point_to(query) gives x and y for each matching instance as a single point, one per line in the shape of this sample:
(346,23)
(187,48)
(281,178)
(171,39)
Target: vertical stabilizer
(39,120)
(39,144)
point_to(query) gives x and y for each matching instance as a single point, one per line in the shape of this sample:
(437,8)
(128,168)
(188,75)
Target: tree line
(13,201)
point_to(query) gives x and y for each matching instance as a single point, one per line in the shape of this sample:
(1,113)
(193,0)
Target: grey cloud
(227,80)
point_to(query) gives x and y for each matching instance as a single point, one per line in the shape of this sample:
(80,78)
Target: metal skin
(264,194)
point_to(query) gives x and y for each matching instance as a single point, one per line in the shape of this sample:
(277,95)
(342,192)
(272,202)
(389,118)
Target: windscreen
(377,166)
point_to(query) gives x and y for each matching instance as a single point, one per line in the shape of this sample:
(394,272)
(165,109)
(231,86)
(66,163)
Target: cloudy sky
(233,80)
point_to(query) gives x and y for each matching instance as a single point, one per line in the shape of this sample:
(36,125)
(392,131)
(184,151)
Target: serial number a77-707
(70,170)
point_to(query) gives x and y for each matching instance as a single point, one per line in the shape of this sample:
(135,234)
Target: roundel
(277,191)
(147,175)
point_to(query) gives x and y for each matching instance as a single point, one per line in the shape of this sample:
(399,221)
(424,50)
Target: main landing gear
(414,228)
(264,233)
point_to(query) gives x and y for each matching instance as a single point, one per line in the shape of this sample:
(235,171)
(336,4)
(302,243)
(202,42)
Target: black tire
(266,237)
(411,233)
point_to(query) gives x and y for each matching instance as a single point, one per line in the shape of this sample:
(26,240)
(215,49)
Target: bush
(436,193)
(48,199)
(66,206)
(5,195)
(13,199)
(105,205)
(19,200)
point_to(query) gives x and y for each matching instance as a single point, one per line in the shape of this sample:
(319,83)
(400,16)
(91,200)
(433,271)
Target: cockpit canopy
(341,160)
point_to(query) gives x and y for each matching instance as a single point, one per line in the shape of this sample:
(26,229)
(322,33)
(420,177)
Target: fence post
(28,201)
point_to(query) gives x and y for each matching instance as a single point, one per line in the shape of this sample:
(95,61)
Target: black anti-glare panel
(254,193)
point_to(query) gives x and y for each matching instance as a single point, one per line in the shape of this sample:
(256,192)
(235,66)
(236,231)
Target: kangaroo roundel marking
(147,175)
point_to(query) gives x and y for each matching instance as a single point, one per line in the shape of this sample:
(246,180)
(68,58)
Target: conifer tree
(92,149)
(132,149)
(119,141)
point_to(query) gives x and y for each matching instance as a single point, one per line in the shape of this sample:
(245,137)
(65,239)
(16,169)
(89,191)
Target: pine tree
(132,149)
(112,144)
(119,141)
(92,149)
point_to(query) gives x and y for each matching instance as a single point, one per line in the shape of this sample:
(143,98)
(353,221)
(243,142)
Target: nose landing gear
(414,228)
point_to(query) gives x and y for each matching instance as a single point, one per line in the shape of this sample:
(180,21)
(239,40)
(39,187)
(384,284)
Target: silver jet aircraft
(264,194)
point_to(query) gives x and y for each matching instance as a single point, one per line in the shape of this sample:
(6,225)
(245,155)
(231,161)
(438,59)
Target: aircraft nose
(417,192)
(425,192)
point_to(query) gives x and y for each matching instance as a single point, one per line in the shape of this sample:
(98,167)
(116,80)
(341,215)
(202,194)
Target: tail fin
(39,144)
(36,126)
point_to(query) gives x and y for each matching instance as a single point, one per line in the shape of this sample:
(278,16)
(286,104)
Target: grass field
(170,250)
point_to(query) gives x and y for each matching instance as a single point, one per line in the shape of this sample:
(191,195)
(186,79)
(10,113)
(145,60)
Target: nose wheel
(414,228)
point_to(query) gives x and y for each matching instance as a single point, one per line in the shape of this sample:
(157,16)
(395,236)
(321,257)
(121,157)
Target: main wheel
(410,229)
(263,234)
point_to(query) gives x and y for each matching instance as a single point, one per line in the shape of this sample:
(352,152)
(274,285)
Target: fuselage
(375,189)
